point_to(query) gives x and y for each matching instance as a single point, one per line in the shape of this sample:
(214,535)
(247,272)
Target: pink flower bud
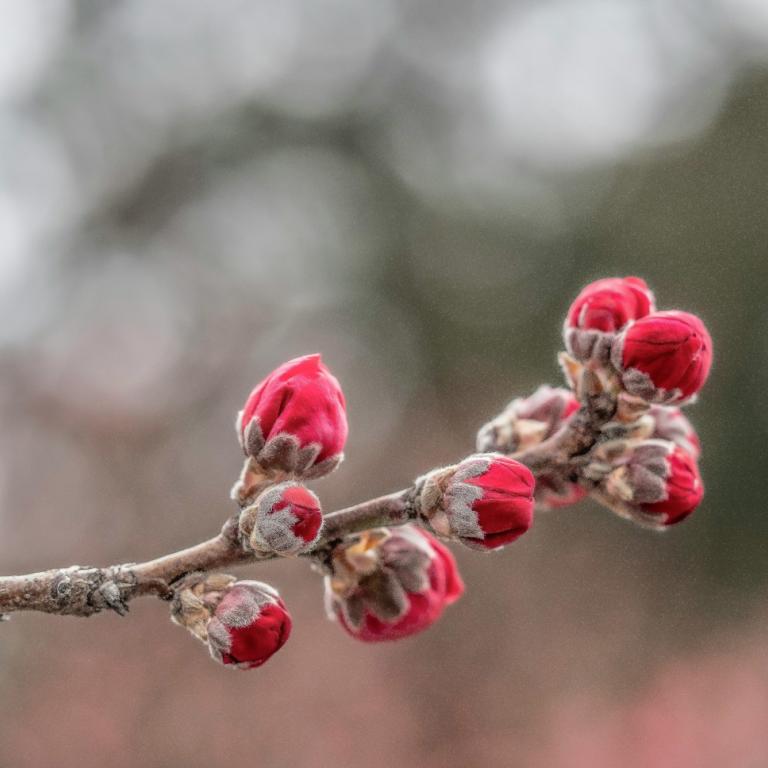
(285,519)
(601,310)
(243,622)
(485,501)
(249,625)
(527,421)
(683,489)
(389,584)
(670,423)
(295,420)
(653,482)
(664,357)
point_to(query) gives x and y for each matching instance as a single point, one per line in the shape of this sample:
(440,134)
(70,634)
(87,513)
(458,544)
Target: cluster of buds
(387,584)
(659,357)
(617,434)
(646,468)
(243,622)
(644,364)
(383,584)
(292,428)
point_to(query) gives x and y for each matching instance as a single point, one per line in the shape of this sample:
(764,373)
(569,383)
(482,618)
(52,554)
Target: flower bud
(601,310)
(285,519)
(243,622)
(485,501)
(387,584)
(683,489)
(527,421)
(664,357)
(654,481)
(670,423)
(295,420)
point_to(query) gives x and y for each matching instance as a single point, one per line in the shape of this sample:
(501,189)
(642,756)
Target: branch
(83,591)
(577,437)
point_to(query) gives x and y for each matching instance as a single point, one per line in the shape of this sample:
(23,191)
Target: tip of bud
(306,363)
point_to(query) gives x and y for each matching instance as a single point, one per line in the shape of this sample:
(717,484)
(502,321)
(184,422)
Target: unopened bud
(285,519)
(485,501)
(294,422)
(664,357)
(243,623)
(388,584)
(654,481)
(600,311)
(527,421)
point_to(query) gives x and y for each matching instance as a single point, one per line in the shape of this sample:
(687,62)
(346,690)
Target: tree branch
(83,591)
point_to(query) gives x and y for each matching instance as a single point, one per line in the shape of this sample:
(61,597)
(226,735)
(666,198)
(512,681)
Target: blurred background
(193,192)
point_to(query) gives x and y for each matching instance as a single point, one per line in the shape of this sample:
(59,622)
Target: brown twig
(83,591)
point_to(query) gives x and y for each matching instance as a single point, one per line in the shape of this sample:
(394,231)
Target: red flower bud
(389,584)
(485,501)
(664,357)
(527,421)
(249,625)
(683,489)
(601,310)
(295,420)
(653,482)
(285,519)
(243,622)
(670,423)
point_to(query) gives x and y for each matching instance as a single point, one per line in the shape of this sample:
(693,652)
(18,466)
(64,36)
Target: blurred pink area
(700,711)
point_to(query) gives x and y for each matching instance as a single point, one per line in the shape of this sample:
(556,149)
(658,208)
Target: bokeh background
(192,192)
